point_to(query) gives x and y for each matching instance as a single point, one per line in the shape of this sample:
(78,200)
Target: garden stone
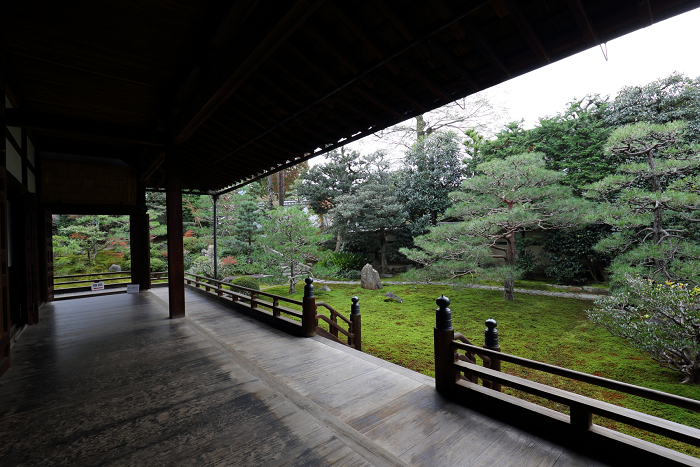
(323,288)
(394,297)
(369,278)
(228,279)
(115,268)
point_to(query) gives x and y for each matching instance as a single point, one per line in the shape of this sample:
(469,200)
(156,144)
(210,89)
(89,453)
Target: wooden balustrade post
(356,321)
(491,343)
(308,319)
(219,288)
(580,416)
(443,335)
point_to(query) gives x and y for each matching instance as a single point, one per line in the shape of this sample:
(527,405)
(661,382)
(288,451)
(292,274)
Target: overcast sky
(635,59)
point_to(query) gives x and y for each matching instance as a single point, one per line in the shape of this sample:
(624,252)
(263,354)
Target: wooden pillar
(140,242)
(30,298)
(356,321)
(443,335)
(4,277)
(491,343)
(46,254)
(308,318)
(176,261)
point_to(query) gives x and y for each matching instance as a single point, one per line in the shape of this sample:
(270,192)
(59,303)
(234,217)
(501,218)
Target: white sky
(635,59)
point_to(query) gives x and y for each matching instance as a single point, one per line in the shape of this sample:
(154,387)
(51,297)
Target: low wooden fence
(75,282)
(457,372)
(299,317)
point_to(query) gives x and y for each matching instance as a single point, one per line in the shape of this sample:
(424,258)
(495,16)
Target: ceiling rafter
(294,18)
(486,49)
(465,28)
(434,44)
(333,83)
(359,33)
(429,83)
(583,21)
(527,31)
(646,16)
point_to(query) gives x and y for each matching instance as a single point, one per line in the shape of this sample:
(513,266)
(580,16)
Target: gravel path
(580,296)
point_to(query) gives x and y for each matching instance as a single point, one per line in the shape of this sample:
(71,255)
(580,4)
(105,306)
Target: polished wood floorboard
(111,380)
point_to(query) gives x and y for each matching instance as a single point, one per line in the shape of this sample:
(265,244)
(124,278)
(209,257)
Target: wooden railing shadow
(297,317)
(457,376)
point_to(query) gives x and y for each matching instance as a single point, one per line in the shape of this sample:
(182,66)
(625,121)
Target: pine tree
(513,195)
(651,203)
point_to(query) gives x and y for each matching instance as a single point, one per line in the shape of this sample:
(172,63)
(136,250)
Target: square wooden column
(140,242)
(176,260)
(4,276)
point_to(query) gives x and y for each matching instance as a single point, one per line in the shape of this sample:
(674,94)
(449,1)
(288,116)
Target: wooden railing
(249,298)
(111,279)
(304,322)
(455,372)
(354,326)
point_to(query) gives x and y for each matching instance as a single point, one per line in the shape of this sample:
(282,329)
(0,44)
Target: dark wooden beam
(583,21)
(367,43)
(211,101)
(646,17)
(527,32)
(176,264)
(81,127)
(448,57)
(486,49)
(432,86)
(435,44)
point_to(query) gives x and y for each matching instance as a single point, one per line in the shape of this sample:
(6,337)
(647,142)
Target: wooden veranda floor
(112,381)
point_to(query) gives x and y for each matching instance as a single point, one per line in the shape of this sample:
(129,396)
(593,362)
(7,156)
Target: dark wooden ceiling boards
(247,87)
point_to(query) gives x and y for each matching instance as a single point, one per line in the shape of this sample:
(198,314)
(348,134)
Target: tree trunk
(433,218)
(292,281)
(509,289)
(280,188)
(270,192)
(384,266)
(420,127)
(338,243)
(509,282)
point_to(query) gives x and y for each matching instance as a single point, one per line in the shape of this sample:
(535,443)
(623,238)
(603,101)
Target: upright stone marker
(369,278)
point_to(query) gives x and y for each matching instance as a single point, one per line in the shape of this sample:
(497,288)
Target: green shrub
(246,281)
(348,261)
(158,265)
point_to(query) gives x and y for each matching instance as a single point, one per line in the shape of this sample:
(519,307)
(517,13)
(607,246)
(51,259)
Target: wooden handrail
(630,417)
(109,273)
(335,325)
(334,312)
(259,292)
(450,365)
(646,393)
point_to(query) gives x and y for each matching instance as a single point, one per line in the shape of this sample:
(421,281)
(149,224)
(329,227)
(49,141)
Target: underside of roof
(241,89)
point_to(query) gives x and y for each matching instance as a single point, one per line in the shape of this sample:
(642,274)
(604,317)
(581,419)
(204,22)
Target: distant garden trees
(432,169)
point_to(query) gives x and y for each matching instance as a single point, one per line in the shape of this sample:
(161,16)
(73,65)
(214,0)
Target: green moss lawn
(547,329)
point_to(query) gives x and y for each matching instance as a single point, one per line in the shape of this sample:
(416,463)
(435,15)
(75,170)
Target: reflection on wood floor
(112,381)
